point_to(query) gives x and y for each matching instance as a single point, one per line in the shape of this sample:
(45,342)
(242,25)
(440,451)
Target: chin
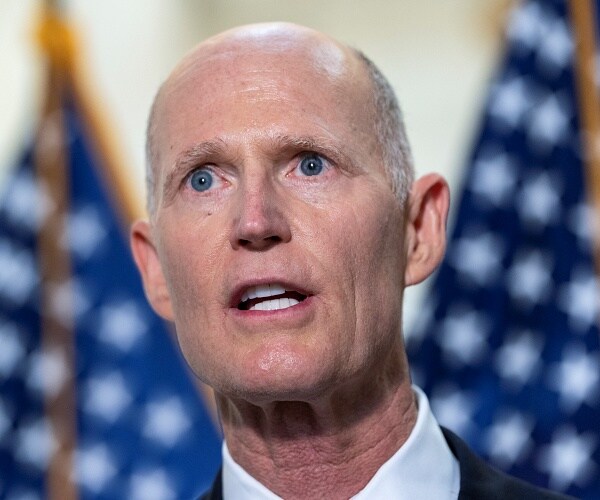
(277,383)
(282,369)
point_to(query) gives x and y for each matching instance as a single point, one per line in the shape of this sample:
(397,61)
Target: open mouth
(270,297)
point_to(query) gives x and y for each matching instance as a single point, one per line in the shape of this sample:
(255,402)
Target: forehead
(265,80)
(270,46)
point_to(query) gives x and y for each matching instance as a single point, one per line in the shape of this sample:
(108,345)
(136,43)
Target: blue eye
(201,180)
(311,165)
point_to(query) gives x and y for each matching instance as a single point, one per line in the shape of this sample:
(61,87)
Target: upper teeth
(262,291)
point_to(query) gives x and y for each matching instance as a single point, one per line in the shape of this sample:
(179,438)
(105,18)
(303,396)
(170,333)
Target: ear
(146,259)
(426,227)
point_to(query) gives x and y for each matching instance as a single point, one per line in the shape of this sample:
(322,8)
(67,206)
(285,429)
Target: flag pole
(56,297)
(582,18)
(126,198)
(107,148)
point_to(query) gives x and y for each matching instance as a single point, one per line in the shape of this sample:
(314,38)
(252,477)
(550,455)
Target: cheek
(190,280)
(189,266)
(371,238)
(371,242)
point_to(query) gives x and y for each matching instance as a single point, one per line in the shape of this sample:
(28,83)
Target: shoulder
(479,480)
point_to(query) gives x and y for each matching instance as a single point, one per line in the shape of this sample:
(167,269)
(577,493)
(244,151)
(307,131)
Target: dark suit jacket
(478,480)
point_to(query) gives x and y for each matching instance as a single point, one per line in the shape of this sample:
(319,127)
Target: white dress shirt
(423,467)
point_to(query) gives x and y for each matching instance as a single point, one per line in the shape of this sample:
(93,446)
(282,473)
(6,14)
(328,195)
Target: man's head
(389,126)
(279,167)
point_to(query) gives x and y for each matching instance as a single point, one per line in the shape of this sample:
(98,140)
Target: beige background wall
(438,54)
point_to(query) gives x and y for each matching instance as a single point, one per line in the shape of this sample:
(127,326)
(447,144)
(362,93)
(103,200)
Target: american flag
(112,398)
(507,346)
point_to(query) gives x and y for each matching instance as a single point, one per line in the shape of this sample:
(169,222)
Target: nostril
(261,242)
(259,231)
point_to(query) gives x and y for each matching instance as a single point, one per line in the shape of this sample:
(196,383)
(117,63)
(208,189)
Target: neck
(334,444)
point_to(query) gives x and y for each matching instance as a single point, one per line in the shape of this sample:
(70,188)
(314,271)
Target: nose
(260,219)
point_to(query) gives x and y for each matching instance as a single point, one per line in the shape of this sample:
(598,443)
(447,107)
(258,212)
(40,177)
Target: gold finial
(55,36)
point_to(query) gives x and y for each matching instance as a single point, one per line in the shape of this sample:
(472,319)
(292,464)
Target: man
(284,225)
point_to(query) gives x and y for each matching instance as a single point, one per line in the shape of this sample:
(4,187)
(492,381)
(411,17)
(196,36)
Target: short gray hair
(390,130)
(389,127)
(151,154)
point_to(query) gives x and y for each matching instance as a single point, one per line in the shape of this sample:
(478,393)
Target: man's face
(270,182)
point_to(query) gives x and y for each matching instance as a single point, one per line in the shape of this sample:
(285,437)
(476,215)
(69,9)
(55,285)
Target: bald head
(253,63)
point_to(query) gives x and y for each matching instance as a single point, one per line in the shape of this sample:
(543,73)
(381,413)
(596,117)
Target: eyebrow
(317,144)
(280,144)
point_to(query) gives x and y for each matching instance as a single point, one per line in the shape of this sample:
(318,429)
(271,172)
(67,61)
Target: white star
(539,200)
(12,352)
(494,178)
(579,299)
(576,377)
(26,202)
(122,324)
(555,47)
(549,122)
(107,396)
(477,256)
(508,439)
(67,300)
(453,408)
(568,458)
(48,371)
(35,443)
(529,280)
(463,336)
(166,421)
(95,467)
(582,222)
(524,25)
(518,360)
(18,273)
(151,485)
(510,100)
(85,232)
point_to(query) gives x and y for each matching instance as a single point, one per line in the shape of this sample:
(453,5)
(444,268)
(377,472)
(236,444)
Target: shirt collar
(423,467)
